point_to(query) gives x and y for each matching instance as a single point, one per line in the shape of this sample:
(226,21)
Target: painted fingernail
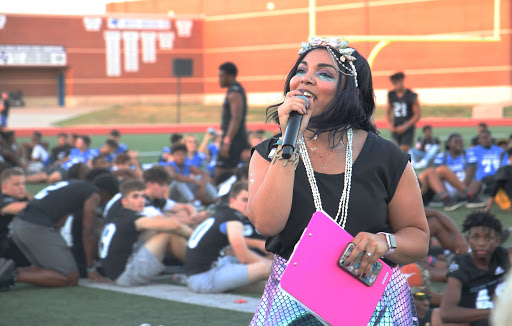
(364,275)
(347,263)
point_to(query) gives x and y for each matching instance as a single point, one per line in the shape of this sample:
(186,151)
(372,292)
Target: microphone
(292,131)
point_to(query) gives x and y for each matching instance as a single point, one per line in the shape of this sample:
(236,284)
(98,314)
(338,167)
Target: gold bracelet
(295,161)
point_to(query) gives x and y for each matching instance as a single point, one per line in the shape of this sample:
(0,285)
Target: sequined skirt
(396,306)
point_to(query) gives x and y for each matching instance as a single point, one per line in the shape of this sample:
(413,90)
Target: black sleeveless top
(241,134)
(375,176)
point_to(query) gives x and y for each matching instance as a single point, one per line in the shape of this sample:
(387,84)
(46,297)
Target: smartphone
(353,269)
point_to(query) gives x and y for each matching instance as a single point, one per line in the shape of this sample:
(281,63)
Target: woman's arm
(407,219)
(409,225)
(270,194)
(271,185)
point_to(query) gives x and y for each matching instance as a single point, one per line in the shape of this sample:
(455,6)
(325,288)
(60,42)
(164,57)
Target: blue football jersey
(76,156)
(487,160)
(197,161)
(456,164)
(121,148)
(214,150)
(97,152)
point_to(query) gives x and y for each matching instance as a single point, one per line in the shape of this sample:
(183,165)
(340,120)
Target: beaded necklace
(340,219)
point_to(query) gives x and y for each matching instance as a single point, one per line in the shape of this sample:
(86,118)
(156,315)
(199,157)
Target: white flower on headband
(334,43)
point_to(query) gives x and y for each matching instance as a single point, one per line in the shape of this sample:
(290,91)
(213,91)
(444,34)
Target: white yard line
(184,295)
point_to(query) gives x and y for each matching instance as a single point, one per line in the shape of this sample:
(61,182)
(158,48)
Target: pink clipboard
(314,278)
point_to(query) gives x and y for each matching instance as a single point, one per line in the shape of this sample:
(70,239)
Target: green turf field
(81,306)
(130,114)
(28,305)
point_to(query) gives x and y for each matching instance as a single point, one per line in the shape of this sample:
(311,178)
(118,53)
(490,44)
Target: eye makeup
(322,73)
(325,75)
(300,71)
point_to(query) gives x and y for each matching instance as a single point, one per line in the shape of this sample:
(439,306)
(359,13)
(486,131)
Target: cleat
(452,203)
(475,202)
(7,273)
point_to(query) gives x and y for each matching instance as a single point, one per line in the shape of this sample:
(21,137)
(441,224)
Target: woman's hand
(367,243)
(294,103)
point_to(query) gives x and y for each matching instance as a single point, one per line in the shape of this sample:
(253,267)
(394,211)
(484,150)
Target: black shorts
(235,150)
(488,183)
(407,138)
(427,197)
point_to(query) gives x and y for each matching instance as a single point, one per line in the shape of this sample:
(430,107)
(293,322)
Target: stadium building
(452,51)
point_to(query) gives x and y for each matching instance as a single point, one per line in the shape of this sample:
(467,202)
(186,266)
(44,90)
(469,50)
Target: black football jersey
(250,231)
(113,207)
(208,240)
(160,206)
(117,242)
(57,201)
(226,113)
(479,287)
(402,106)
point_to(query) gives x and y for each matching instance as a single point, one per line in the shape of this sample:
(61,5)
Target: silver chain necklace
(343,205)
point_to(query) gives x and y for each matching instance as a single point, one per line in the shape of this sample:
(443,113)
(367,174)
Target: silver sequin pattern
(395,308)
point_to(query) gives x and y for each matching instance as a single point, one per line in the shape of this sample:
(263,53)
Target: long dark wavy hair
(352,107)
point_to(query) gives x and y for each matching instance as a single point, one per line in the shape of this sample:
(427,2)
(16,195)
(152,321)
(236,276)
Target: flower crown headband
(338,44)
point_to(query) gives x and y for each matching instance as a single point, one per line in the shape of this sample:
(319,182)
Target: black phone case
(354,266)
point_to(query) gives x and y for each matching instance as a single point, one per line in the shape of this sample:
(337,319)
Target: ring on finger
(369,254)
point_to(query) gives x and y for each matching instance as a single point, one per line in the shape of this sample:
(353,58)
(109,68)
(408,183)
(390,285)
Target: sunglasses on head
(422,296)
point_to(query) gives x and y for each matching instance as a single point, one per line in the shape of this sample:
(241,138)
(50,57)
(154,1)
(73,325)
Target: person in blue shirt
(108,150)
(194,157)
(501,193)
(190,185)
(81,153)
(210,147)
(165,154)
(482,126)
(454,158)
(122,148)
(426,149)
(484,160)
(115,135)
